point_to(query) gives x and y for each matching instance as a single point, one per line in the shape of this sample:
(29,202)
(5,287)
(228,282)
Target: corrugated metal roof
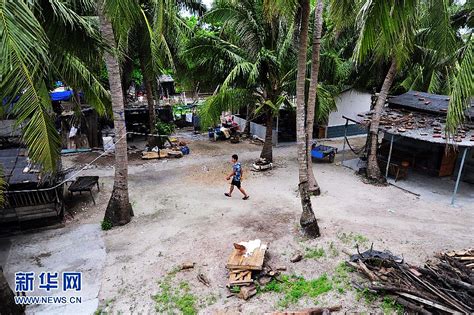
(425,102)
(13,162)
(416,125)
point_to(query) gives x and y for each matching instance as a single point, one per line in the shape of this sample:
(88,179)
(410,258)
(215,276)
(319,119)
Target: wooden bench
(84,183)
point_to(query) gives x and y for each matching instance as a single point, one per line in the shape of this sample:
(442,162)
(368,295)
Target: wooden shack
(29,193)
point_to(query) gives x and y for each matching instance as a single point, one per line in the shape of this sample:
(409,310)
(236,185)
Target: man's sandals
(228,195)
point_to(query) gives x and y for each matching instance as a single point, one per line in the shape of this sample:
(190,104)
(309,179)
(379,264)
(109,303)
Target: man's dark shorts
(236,183)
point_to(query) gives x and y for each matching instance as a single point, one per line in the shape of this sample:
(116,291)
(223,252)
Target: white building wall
(256,129)
(349,103)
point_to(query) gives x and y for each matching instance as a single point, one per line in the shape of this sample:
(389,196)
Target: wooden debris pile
(175,149)
(245,264)
(443,285)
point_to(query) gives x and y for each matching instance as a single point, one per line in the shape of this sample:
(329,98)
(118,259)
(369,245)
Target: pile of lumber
(244,263)
(443,285)
(175,148)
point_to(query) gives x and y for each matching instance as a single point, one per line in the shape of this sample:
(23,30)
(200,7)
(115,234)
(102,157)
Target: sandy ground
(181,215)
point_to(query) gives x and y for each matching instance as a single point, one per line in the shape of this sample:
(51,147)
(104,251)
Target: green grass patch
(314,253)
(353,238)
(294,288)
(341,279)
(366,295)
(102,311)
(171,298)
(333,251)
(106,225)
(390,306)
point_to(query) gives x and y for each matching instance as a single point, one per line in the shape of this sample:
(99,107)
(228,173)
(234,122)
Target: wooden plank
(154,155)
(38,216)
(241,278)
(427,302)
(33,208)
(237,260)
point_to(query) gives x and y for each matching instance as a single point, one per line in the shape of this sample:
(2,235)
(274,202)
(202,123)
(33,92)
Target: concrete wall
(349,103)
(256,129)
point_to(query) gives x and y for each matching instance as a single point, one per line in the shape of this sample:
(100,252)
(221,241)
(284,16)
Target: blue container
(317,154)
(210,132)
(185,150)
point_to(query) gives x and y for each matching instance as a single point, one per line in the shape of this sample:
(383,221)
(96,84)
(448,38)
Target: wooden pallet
(237,260)
(240,278)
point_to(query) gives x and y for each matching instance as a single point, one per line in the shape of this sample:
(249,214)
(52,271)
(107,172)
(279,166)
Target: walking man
(236,178)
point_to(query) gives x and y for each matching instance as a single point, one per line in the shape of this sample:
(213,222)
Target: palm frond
(386,29)
(224,100)
(326,102)
(72,70)
(23,51)
(342,13)
(462,90)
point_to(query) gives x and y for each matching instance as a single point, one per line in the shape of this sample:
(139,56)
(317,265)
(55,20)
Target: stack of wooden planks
(246,257)
(464,257)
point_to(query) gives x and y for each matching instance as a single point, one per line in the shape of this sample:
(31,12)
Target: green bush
(106,225)
(163,128)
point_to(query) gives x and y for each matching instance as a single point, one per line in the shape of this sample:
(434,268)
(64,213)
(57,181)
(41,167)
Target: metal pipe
(389,156)
(344,145)
(459,176)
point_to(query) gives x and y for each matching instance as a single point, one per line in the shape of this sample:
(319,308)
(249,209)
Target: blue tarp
(54,96)
(61,96)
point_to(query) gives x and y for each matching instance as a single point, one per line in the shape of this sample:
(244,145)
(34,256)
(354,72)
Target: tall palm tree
(386,33)
(318,27)
(119,210)
(308,220)
(157,37)
(254,55)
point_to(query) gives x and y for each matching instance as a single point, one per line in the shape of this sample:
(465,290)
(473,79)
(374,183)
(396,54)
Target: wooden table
(84,183)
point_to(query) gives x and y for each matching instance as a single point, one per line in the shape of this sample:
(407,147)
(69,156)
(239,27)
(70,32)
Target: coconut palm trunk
(373,170)
(150,101)
(267,150)
(7,301)
(119,210)
(313,87)
(308,220)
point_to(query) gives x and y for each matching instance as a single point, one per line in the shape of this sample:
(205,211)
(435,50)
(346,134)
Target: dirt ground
(182,215)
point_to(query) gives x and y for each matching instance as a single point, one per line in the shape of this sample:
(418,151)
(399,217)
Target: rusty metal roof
(425,102)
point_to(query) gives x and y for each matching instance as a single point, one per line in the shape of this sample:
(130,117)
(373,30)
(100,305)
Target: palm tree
(310,112)
(119,210)
(443,56)
(386,33)
(157,41)
(40,41)
(308,220)
(255,57)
